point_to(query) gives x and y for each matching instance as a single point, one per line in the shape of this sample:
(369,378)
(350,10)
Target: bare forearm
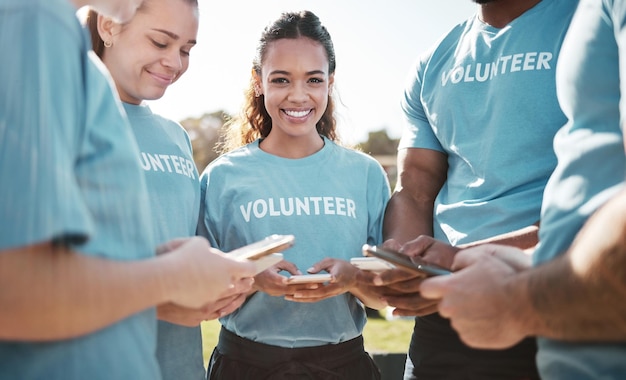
(525,238)
(406,218)
(369,299)
(57,294)
(409,214)
(580,296)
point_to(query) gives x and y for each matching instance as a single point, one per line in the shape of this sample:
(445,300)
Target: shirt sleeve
(619,25)
(417,131)
(40,113)
(377,198)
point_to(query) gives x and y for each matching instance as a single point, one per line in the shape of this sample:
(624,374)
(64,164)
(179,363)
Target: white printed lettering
(529,61)
(303,206)
(166,159)
(516,63)
(293,207)
(283,208)
(543,62)
(351,208)
(484,71)
(273,211)
(316,204)
(329,206)
(341,206)
(156,163)
(145,163)
(260,208)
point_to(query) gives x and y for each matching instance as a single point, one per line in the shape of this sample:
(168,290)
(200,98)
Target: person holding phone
(573,296)
(284,172)
(78,274)
(145,56)
(481,112)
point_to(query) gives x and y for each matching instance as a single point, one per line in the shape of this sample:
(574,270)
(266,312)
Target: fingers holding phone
(272,282)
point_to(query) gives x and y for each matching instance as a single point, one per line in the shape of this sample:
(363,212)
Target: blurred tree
(384,149)
(205,133)
(379,144)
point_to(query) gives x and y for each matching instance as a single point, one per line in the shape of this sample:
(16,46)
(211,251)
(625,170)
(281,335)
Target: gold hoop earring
(108,44)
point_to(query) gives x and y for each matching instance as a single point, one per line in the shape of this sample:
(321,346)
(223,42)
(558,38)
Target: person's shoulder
(559,6)
(49,15)
(169,124)
(353,154)
(234,158)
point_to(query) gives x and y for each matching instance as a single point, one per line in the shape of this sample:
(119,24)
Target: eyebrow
(283,72)
(173,35)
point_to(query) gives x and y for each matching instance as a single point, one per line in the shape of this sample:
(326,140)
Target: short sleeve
(619,25)
(377,198)
(40,105)
(205,228)
(417,131)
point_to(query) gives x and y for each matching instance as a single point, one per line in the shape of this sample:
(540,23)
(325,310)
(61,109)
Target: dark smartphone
(414,264)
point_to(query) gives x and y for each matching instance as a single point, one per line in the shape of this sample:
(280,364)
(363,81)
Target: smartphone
(265,262)
(414,264)
(373,264)
(309,278)
(267,246)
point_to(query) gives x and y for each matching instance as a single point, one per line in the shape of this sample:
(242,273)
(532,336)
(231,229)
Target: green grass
(380,336)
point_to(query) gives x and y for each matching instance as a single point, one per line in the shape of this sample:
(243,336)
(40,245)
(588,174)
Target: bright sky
(376,42)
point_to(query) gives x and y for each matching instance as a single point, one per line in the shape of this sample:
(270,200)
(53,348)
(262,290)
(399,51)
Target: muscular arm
(589,281)
(421,174)
(525,238)
(580,296)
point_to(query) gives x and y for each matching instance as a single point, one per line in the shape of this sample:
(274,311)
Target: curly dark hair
(254,121)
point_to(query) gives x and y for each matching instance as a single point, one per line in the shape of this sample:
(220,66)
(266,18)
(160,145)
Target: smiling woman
(145,56)
(284,172)
(150,53)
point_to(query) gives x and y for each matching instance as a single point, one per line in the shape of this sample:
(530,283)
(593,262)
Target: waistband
(266,356)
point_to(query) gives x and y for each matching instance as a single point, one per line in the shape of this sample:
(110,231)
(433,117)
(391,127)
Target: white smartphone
(261,248)
(373,264)
(317,278)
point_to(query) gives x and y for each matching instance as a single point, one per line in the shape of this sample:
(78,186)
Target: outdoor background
(376,42)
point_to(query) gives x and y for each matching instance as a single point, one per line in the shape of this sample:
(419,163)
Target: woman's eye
(316,80)
(279,80)
(158,44)
(186,53)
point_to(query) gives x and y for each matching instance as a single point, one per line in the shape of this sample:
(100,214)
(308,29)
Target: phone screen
(309,278)
(414,264)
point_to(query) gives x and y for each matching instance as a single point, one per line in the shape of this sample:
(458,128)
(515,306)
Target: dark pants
(237,358)
(437,353)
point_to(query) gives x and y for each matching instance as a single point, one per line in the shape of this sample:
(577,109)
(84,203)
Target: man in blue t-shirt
(481,112)
(574,297)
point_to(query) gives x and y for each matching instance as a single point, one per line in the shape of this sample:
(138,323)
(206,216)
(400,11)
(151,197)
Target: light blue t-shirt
(591,165)
(332,201)
(486,98)
(174,195)
(69,169)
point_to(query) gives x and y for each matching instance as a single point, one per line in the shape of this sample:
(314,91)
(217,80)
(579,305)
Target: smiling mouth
(298,114)
(164,79)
